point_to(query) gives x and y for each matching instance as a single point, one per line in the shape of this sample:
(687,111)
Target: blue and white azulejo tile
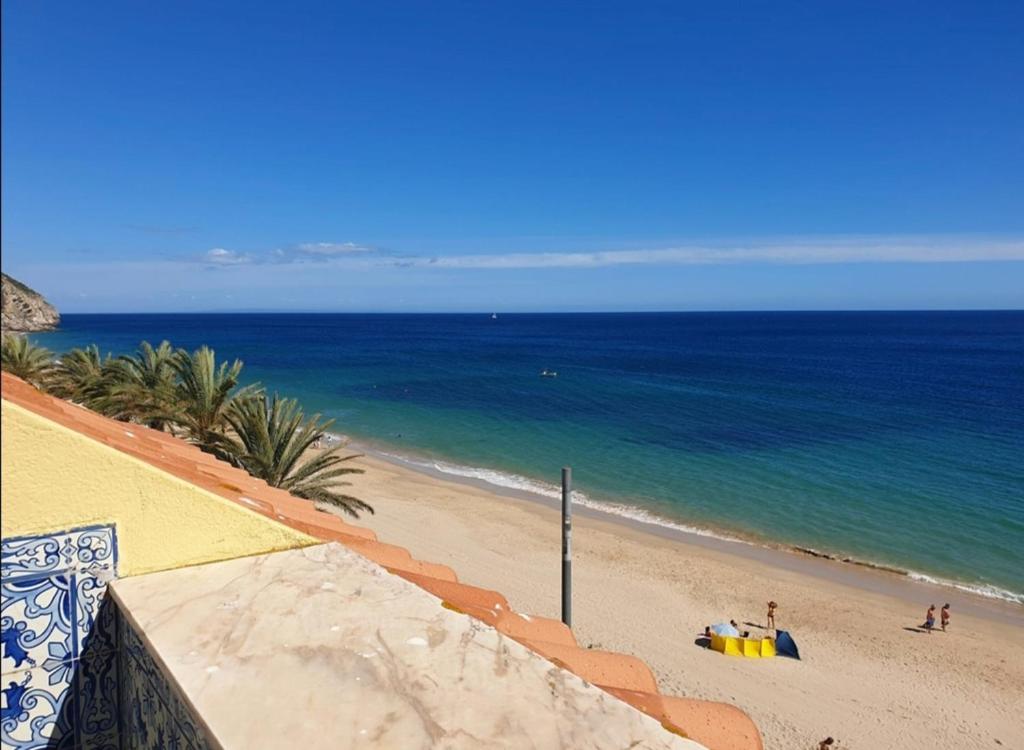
(57,641)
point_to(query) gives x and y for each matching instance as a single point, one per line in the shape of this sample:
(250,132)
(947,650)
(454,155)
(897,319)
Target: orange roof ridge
(184,461)
(604,668)
(493,608)
(718,726)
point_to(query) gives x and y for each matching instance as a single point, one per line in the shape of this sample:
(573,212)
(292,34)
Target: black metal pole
(567,546)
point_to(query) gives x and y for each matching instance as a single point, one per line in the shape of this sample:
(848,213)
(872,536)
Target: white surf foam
(982,589)
(544,489)
(640,515)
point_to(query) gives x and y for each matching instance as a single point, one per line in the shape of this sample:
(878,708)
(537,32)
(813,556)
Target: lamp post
(567,546)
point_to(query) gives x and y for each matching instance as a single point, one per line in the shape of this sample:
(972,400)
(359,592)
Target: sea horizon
(499,311)
(885,437)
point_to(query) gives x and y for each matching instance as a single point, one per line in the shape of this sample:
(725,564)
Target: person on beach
(945,616)
(771,614)
(929,619)
(826,743)
(707,636)
(734,624)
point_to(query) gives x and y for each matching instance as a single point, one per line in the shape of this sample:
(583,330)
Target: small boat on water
(494,316)
(546,373)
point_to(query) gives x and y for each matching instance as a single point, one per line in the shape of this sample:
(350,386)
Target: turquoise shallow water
(894,438)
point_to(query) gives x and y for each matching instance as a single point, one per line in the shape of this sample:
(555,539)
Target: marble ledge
(319,647)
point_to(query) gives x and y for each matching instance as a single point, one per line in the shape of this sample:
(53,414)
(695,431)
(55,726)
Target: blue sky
(458,156)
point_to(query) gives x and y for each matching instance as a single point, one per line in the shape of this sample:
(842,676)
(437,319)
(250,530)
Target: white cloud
(794,252)
(329,249)
(798,251)
(218,256)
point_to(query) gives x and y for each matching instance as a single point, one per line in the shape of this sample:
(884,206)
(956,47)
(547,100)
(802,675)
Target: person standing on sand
(771,614)
(945,616)
(929,619)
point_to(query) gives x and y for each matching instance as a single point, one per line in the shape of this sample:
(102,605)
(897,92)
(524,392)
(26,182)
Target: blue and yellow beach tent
(752,648)
(785,644)
(726,640)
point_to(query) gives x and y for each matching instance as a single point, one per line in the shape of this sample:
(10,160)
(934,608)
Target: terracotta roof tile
(492,608)
(718,726)
(182,460)
(603,668)
(715,725)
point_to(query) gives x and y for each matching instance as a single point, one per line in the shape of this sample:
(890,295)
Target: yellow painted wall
(54,478)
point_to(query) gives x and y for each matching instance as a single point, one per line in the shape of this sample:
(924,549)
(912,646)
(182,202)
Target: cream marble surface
(318,647)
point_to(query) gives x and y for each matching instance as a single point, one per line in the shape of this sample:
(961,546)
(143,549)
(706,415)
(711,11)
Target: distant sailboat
(494,316)
(546,373)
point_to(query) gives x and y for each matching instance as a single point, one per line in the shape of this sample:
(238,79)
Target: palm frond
(272,437)
(204,394)
(141,387)
(81,375)
(30,362)
(194,395)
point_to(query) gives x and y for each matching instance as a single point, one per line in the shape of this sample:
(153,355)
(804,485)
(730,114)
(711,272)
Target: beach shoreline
(698,420)
(870,676)
(866,575)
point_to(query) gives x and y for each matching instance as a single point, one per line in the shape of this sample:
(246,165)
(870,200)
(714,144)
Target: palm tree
(82,376)
(202,399)
(143,386)
(30,362)
(272,435)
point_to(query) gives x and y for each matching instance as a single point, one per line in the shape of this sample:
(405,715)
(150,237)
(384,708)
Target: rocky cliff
(24,309)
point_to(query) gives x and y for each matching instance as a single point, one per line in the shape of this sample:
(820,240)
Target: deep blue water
(896,438)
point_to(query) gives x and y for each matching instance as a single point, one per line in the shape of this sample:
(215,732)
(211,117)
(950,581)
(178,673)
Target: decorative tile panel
(92,547)
(63,550)
(58,640)
(37,620)
(95,627)
(96,690)
(154,716)
(36,713)
(33,555)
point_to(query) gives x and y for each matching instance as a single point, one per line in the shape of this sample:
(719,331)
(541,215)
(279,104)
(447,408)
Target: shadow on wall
(113,693)
(65,702)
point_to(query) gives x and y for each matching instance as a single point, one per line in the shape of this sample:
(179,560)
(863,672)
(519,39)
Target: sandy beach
(869,677)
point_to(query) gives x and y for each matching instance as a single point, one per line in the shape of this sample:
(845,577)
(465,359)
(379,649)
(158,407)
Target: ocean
(894,438)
